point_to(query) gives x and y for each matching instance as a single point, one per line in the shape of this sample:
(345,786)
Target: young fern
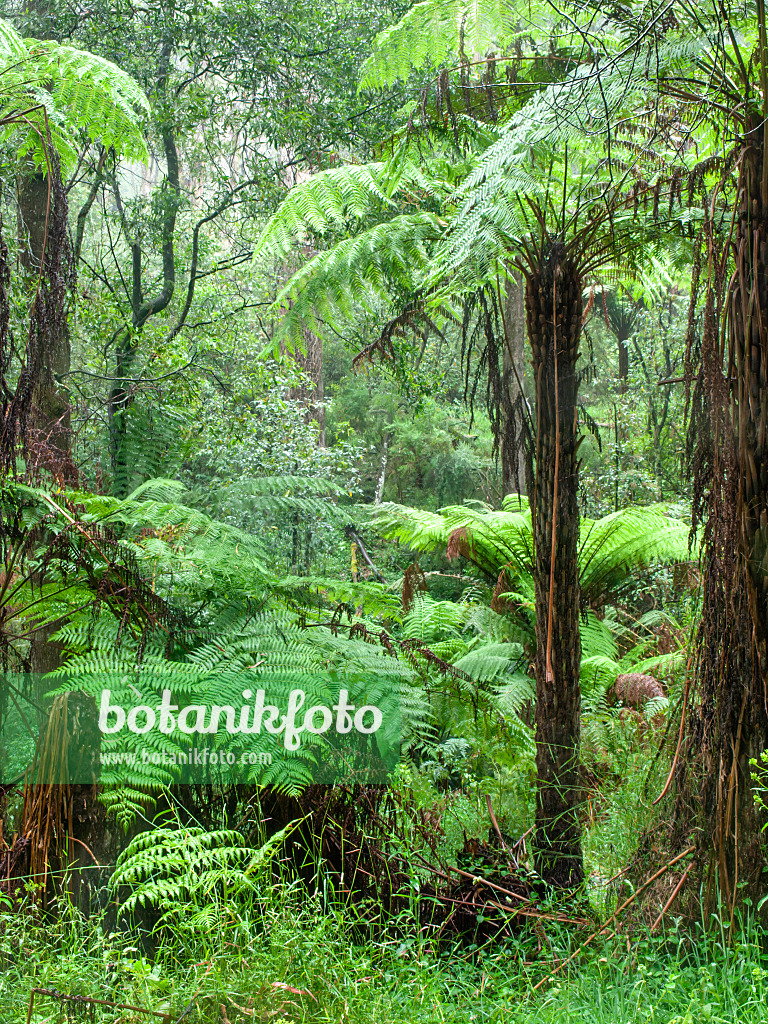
(189,874)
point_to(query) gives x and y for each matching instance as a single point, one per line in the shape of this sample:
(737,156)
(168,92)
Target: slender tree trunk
(313,394)
(50,434)
(512,399)
(623,364)
(554,311)
(382,477)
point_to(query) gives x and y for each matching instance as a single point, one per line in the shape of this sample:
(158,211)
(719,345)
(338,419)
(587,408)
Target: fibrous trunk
(41,226)
(554,312)
(730,725)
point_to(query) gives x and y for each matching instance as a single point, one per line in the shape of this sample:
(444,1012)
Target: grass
(233,953)
(282,958)
(275,954)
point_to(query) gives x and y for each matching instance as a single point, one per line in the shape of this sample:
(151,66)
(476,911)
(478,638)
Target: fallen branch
(73,1001)
(668,783)
(670,901)
(614,915)
(484,881)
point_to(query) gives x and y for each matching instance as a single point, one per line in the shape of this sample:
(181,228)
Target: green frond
(611,550)
(359,273)
(332,197)
(98,97)
(174,867)
(494,540)
(624,543)
(496,663)
(369,597)
(74,91)
(429,32)
(435,30)
(12,46)
(597,639)
(433,621)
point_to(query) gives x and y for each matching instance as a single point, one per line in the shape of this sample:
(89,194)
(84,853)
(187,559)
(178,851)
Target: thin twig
(670,901)
(614,915)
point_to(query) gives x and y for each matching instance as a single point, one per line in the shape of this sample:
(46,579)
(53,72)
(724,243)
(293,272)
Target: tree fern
(46,86)
(611,549)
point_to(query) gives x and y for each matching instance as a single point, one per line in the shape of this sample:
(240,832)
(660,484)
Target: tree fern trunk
(730,725)
(554,310)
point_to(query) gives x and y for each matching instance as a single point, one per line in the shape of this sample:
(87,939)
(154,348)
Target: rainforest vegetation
(400,360)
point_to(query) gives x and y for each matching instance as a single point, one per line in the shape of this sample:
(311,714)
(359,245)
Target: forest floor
(290,962)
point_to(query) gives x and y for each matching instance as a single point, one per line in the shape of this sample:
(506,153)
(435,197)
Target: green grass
(284,959)
(281,955)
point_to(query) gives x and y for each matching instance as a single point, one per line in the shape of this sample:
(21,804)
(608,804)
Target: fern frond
(332,197)
(75,90)
(175,868)
(436,29)
(625,542)
(359,273)
(611,550)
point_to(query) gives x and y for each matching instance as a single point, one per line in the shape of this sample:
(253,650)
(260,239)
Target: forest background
(416,344)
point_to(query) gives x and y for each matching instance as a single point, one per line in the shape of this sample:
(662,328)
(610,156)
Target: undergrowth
(289,957)
(232,942)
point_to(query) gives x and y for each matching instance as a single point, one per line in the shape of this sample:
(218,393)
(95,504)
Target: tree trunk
(49,443)
(50,435)
(49,428)
(312,395)
(554,311)
(378,495)
(730,725)
(623,364)
(512,396)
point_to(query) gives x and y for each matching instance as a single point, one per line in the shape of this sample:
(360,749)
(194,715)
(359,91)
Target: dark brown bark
(49,428)
(730,725)
(49,442)
(554,312)
(512,397)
